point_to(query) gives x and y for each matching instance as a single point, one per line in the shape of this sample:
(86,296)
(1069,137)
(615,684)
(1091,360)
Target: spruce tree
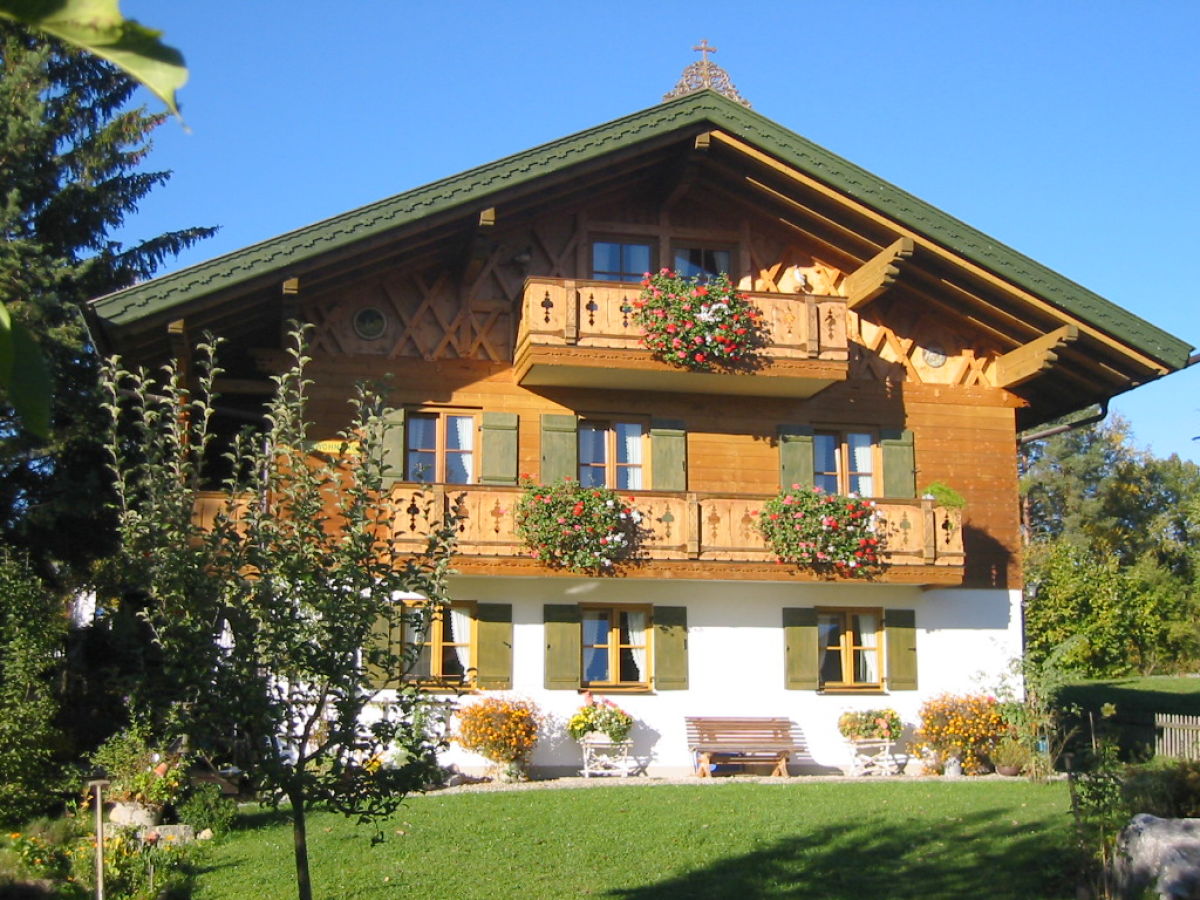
(71,148)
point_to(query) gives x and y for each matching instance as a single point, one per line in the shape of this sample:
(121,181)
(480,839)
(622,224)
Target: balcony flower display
(698,326)
(583,529)
(600,717)
(826,532)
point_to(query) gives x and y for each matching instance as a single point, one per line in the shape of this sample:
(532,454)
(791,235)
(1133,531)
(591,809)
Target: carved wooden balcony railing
(685,534)
(706,535)
(570,330)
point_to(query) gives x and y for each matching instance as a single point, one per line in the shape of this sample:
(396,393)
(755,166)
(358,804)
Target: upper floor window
(615,643)
(620,261)
(440,447)
(844,462)
(850,651)
(702,262)
(612,454)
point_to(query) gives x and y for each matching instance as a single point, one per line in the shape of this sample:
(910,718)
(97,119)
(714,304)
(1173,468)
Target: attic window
(619,261)
(702,262)
(370,323)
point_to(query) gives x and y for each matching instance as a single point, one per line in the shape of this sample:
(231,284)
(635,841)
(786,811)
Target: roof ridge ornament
(706,74)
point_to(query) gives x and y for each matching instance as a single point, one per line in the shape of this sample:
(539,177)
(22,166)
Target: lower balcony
(688,535)
(582,334)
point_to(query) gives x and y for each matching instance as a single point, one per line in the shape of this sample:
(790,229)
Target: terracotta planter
(1008,771)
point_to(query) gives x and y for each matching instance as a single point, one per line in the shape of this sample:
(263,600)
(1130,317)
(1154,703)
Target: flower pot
(953,767)
(136,815)
(1008,771)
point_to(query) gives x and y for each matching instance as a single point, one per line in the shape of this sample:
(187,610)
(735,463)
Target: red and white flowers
(826,532)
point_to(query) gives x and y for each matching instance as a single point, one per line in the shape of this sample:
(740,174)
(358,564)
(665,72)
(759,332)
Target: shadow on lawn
(976,855)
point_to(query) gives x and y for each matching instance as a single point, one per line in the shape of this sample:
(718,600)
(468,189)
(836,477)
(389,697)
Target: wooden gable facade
(484,297)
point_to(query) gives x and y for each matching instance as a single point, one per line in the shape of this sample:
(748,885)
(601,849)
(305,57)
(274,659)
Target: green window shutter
(900,644)
(563,647)
(668,455)
(899,463)
(670,648)
(560,448)
(795,456)
(493,650)
(801,657)
(498,441)
(393,444)
(387,633)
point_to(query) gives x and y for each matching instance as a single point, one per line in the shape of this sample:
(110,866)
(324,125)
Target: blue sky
(1068,130)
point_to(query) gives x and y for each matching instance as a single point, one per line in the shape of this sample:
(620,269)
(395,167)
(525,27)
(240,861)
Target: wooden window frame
(440,452)
(615,647)
(731,249)
(623,241)
(846,648)
(436,679)
(842,448)
(611,466)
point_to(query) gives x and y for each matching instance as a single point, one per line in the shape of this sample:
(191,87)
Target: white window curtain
(629,454)
(861,455)
(868,637)
(460,438)
(636,622)
(460,633)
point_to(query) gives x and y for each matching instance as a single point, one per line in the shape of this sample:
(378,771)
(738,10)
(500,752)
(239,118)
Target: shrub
(206,807)
(965,727)
(140,772)
(501,730)
(826,532)
(568,526)
(1167,788)
(870,725)
(697,326)
(601,716)
(1011,752)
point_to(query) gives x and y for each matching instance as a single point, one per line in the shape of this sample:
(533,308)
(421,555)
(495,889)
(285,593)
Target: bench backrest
(742,731)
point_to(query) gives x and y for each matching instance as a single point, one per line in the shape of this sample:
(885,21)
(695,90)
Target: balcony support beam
(877,274)
(1030,360)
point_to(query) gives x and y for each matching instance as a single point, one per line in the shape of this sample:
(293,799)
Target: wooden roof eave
(1021,295)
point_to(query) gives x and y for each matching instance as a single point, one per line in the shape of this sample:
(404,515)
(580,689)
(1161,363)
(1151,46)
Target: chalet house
(904,348)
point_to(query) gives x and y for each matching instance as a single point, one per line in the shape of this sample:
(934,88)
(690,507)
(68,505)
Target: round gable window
(370,323)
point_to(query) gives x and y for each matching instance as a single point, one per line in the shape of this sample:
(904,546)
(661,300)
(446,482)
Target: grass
(796,840)
(1137,699)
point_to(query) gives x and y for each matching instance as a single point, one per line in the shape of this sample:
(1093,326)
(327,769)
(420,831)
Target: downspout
(1071,426)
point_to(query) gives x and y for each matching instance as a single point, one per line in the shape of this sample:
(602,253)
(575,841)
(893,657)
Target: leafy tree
(70,152)
(275,613)
(31,638)
(1112,554)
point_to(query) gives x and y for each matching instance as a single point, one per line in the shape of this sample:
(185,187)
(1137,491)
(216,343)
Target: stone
(1162,854)
(168,834)
(134,815)
(205,835)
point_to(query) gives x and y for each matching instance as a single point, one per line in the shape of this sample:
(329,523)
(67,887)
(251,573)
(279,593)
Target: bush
(501,730)
(206,807)
(140,772)
(825,532)
(966,727)
(1167,788)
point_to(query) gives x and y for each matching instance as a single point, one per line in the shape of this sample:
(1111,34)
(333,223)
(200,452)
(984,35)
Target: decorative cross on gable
(706,75)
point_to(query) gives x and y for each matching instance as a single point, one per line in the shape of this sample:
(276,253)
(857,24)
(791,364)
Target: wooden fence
(1177,736)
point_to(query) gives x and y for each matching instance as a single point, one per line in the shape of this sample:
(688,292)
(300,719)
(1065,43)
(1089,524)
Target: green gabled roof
(474,186)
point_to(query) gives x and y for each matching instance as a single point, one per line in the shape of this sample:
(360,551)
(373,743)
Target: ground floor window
(615,644)
(850,649)
(445,646)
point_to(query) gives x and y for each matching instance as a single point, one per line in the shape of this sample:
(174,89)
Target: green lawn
(795,840)
(1137,699)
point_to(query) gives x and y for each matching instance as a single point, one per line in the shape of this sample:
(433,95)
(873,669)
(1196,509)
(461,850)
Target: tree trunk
(300,844)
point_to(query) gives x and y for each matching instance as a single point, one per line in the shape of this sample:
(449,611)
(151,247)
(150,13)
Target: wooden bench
(742,740)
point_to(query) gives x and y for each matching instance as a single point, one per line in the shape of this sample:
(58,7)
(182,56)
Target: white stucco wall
(965,641)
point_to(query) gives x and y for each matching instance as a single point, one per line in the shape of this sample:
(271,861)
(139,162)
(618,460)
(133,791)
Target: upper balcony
(576,333)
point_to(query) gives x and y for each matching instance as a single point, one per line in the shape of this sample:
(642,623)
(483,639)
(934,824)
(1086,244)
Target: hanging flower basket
(702,327)
(826,532)
(568,526)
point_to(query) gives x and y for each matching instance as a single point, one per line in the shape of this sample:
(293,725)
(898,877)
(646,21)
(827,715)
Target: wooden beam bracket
(1027,361)
(877,274)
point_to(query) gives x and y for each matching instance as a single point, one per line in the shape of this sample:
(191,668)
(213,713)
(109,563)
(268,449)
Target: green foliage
(1012,752)
(825,532)
(1167,788)
(1099,814)
(273,621)
(32,632)
(697,326)
(583,529)
(72,150)
(944,495)
(1033,709)
(139,771)
(206,807)
(98,27)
